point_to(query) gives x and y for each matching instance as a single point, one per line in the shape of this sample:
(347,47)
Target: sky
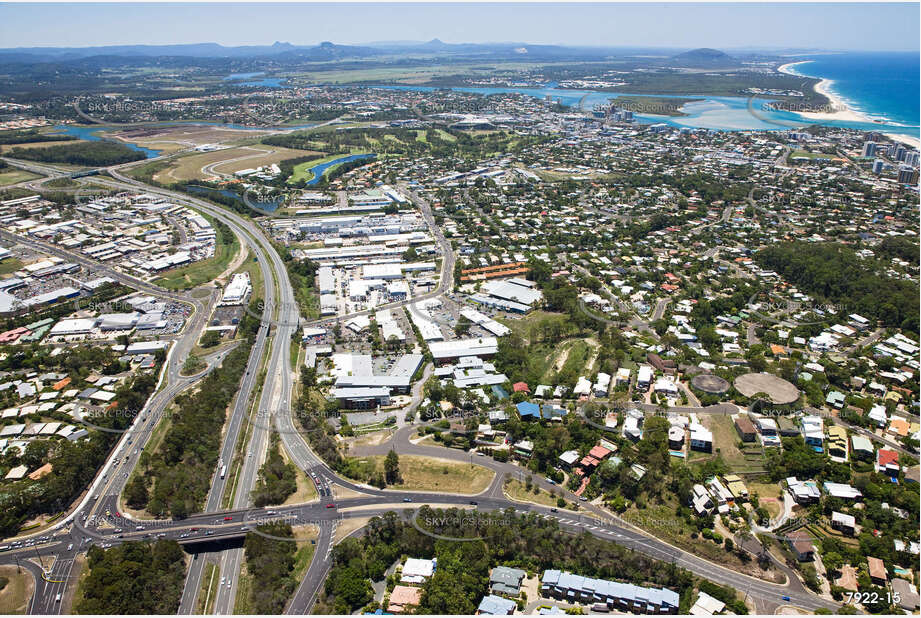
(839,26)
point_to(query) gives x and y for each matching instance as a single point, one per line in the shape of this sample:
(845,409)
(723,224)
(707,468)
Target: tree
(392,467)
(136,492)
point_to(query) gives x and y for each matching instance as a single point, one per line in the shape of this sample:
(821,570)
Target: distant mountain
(704,57)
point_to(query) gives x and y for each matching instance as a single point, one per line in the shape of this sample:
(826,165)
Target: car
(118,530)
(407,499)
(785,598)
(209,532)
(330,506)
(139,528)
(554,510)
(57,599)
(223,579)
(70,547)
(474,502)
(583,499)
(228,518)
(194,529)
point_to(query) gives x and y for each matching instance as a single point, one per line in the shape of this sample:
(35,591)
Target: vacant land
(202,271)
(438,475)
(10,265)
(11,176)
(725,442)
(660,521)
(16,594)
(518,491)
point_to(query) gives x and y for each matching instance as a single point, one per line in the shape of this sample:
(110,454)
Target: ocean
(882,85)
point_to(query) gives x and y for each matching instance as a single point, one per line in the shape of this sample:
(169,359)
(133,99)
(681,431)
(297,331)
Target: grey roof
(506,580)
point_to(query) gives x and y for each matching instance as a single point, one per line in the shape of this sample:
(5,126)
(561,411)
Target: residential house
(801,544)
(745,428)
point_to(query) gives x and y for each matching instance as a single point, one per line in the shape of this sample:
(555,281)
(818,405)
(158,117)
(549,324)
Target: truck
(223,471)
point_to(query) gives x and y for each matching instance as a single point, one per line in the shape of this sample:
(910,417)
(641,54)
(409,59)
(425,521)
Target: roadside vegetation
(134,578)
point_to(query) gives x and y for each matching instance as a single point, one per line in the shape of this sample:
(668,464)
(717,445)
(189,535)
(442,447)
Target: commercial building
(443,351)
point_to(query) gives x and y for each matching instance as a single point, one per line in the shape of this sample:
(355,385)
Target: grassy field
(305,548)
(516,490)
(15,596)
(202,271)
(13,175)
(768,494)
(441,475)
(10,265)
(255,275)
(306,490)
(726,439)
(208,591)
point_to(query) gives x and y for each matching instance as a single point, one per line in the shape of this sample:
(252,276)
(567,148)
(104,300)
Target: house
(877,414)
(905,594)
(701,438)
(745,428)
(493,605)
(861,447)
(520,387)
(887,462)
(848,579)
(417,570)
(569,458)
(528,411)
(403,599)
(523,449)
(803,492)
(813,431)
(736,486)
(787,427)
(801,544)
(643,377)
(841,490)
(676,438)
(705,605)
(842,522)
(700,500)
(877,570)
(506,581)
(835,399)
(837,443)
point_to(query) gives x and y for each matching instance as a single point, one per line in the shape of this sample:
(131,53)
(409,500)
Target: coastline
(908,140)
(841,111)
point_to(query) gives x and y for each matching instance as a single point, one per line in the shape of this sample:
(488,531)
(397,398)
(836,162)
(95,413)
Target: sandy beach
(908,140)
(838,109)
